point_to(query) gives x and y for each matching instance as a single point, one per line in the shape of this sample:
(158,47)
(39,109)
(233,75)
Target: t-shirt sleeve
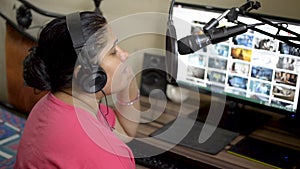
(110,115)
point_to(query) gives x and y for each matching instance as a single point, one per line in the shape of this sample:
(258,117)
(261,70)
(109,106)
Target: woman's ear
(76,70)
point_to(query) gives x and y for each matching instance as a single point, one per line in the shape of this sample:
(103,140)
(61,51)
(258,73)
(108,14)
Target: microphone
(192,43)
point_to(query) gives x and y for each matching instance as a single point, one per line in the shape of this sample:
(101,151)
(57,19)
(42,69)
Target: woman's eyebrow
(114,45)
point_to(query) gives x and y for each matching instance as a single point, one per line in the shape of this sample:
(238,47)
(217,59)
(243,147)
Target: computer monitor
(250,68)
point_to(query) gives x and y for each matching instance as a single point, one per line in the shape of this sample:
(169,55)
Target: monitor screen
(250,67)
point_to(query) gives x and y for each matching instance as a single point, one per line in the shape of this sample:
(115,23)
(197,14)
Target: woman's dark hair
(50,65)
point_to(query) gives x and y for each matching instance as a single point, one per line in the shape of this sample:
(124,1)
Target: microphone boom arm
(286,39)
(245,9)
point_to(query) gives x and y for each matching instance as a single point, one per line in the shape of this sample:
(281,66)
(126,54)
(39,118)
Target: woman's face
(113,62)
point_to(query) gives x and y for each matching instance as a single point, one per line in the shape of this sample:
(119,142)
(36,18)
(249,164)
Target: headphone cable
(107,110)
(103,115)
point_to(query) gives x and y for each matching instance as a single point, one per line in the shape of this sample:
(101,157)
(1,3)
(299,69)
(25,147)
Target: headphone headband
(171,10)
(75,29)
(171,47)
(91,78)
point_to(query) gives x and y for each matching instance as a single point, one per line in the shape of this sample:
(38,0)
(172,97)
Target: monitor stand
(235,118)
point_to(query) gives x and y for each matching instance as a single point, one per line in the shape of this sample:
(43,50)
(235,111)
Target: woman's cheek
(119,81)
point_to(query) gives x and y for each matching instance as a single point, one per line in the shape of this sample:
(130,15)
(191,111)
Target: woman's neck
(81,100)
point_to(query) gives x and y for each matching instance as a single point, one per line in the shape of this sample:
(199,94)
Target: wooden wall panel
(17,46)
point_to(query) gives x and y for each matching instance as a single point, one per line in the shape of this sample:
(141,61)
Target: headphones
(171,48)
(91,77)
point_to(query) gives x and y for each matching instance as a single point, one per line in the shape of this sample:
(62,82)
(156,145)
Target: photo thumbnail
(282,104)
(197,59)
(288,50)
(260,87)
(239,68)
(243,40)
(263,58)
(265,43)
(283,93)
(236,92)
(241,54)
(214,76)
(217,63)
(288,63)
(259,97)
(262,73)
(286,78)
(195,72)
(238,82)
(219,49)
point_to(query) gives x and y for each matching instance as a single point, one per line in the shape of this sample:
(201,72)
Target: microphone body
(192,43)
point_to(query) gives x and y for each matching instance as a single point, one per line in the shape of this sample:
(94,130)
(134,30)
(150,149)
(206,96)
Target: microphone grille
(185,45)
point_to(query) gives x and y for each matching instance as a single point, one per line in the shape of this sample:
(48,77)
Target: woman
(68,127)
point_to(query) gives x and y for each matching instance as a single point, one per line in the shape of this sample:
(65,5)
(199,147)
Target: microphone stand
(232,16)
(287,39)
(245,9)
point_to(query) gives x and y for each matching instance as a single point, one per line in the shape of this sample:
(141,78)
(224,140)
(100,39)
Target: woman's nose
(123,54)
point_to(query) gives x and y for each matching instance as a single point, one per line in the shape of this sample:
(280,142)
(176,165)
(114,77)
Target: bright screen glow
(250,66)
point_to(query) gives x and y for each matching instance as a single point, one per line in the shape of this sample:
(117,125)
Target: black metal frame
(249,5)
(18,28)
(42,12)
(36,9)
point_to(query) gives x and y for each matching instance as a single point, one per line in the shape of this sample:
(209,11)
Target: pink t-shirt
(58,135)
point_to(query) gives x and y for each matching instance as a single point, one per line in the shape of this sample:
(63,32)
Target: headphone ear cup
(100,79)
(171,53)
(91,81)
(91,78)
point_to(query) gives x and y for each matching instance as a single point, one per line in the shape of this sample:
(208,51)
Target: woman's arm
(127,111)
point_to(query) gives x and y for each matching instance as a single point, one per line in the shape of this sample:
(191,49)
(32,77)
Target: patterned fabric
(11,128)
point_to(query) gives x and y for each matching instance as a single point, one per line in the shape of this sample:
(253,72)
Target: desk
(268,132)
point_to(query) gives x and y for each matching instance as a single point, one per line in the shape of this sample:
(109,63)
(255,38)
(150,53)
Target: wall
(140,24)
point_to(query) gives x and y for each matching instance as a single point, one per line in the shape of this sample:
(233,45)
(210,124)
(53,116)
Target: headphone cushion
(171,39)
(171,53)
(91,81)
